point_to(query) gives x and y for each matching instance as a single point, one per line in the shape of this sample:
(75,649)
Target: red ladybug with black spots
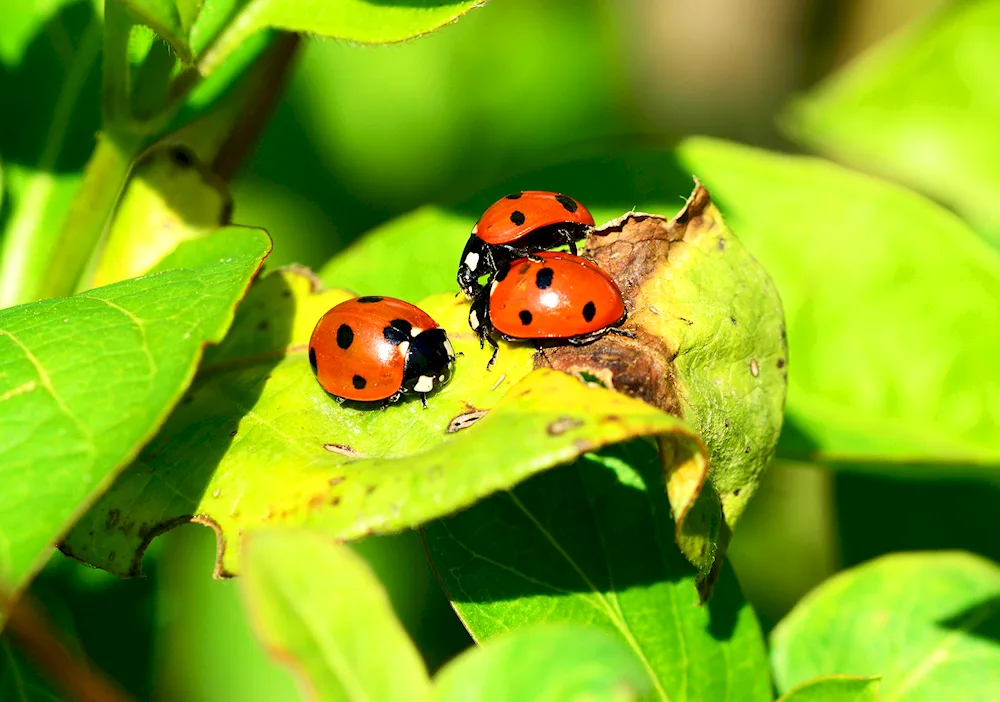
(517,226)
(559,296)
(377,349)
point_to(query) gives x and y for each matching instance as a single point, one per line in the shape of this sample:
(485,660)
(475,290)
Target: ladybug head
(472,266)
(430,360)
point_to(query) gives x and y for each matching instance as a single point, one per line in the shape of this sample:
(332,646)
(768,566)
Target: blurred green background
(365,133)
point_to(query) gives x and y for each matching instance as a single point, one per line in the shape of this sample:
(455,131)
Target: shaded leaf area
(318,607)
(592,544)
(85,381)
(554,663)
(256,442)
(891,307)
(18,681)
(46,141)
(206,33)
(835,688)
(921,109)
(171,197)
(710,343)
(928,623)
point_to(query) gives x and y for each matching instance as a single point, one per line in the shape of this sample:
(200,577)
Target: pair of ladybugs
(379,348)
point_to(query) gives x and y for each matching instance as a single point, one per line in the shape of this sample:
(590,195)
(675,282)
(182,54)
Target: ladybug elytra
(517,226)
(557,296)
(378,349)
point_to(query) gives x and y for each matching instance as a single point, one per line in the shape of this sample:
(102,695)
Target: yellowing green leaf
(257,443)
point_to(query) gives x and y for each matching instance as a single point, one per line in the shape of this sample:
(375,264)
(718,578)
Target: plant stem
(89,213)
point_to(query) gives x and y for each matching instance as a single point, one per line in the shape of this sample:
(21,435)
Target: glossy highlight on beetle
(377,349)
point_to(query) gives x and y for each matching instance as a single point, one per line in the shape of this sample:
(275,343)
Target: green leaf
(928,623)
(552,663)
(835,688)
(319,608)
(592,544)
(49,59)
(222,26)
(86,381)
(920,109)
(171,19)
(257,442)
(18,681)
(891,308)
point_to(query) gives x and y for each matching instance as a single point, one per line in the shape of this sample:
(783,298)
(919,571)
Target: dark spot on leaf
(232,433)
(358,382)
(369,299)
(781,363)
(181,156)
(317,501)
(335,501)
(517,217)
(113,518)
(525,317)
(514,196)
(345,336)
(286,293)
(337,480)
(543,278)
(736,492)
(747,450)
(111,556)
(312,358)
(562,425)
(726,423)
(733,320)
(686,321)
(369,490)
(263,325)
(568,203)
(188,400)
(721,243)
(589,310)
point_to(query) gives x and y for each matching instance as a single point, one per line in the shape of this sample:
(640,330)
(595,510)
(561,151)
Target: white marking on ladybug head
(448,348)
(424,384)
(473,319)
(475,228)
(414,331)
(404,347)
(472,260)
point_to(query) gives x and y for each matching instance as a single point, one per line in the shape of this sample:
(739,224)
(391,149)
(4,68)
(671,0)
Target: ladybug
(559,296)
(378,349)
(517,226)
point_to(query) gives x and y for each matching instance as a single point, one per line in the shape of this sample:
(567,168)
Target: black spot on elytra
(345,336)
(358,382)
(543,278)
(312,358)
(369,299)
(589,310)
(525,316)
(514,196)
(394,335)
(568,203)
(517,217)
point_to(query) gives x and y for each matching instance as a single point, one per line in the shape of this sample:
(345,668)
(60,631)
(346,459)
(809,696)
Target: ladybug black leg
(622,332)
(496,350)
(423,399)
